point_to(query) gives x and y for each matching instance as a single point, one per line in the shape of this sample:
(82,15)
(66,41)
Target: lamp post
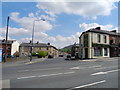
(31,47)
(6,39)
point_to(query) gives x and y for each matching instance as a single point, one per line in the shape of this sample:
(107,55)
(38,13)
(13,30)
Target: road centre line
(46,69)
(78,67)
(100,73)
(91,84)
(46,75)
(26,77)
(39,69)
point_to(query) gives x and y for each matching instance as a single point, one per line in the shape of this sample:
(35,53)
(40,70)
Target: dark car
(50,56)
(68,57)
(61,55)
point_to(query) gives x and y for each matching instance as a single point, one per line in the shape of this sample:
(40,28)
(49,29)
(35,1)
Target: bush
(42,54)
(34,54)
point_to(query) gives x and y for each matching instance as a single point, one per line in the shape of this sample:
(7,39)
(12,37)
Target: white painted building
(15,47)
(12,47)
(95,44)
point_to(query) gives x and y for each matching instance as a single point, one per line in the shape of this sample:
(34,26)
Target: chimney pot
(37,42)
(48,43)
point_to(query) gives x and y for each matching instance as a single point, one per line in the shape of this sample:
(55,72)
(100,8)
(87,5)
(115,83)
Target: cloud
(85,26)
(85,9)
(58,41)
(27,22)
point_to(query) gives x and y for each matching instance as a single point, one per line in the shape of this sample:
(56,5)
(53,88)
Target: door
(86,52)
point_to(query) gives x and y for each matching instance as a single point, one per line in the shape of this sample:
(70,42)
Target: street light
(33,37)
(6,39)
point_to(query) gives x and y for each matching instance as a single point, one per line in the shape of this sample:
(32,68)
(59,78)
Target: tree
(42,54)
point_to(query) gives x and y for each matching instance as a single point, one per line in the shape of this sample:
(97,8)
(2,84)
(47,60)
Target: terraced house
(24,48)
(94,43)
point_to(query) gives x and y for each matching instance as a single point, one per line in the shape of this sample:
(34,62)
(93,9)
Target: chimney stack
(98,28)
(37,42)
(114,31)
(48,43)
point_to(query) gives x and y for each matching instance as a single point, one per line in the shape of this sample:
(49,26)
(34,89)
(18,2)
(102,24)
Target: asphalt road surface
(61,73)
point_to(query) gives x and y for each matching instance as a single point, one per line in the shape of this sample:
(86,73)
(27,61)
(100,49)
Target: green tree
(42,54)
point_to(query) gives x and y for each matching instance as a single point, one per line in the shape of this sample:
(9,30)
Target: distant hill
(68,46)
(67,49)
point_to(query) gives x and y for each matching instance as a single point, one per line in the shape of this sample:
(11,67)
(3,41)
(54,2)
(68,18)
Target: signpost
(0,55)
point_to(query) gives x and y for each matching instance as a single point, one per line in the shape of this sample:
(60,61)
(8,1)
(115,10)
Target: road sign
(0,55)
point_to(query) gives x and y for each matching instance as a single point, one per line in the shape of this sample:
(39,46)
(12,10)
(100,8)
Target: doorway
(86,53)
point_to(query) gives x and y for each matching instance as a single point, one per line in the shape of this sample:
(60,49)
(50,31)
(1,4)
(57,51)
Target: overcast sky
(65,21)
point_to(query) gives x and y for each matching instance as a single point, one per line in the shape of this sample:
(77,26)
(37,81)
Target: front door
(86,52)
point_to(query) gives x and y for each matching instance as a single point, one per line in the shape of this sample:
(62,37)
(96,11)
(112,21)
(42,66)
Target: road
(60,73)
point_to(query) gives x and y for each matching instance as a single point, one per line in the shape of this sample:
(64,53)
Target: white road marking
(23,70)
(26,77)
(46,75)
(100,73)
(89,84)
(50,75)
(45,69)
(95,66)
(38,69)
(75,68)
(68,72)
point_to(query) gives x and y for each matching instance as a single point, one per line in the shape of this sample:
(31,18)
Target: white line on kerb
(90,84)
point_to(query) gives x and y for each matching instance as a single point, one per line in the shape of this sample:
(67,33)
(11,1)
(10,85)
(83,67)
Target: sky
(64,21)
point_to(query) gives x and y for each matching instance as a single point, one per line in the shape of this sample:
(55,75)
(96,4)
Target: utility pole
(6,39)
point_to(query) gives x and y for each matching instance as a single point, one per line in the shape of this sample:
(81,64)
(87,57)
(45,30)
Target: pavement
(61,73)
(17,63)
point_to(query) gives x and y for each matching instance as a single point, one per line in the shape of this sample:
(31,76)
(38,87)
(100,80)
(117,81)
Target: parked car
(61,55)
(50,56)
(68,57)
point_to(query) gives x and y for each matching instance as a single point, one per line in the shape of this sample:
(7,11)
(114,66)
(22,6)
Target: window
(97,51)
(86,40)
(105,39)
(98,38)
(113,38)
(105,52)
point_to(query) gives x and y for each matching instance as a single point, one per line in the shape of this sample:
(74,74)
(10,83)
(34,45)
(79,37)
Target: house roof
(102,32)
(36,45)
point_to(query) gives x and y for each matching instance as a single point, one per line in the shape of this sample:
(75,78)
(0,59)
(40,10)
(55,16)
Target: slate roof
(8,42)
(101,31)
(36,45)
